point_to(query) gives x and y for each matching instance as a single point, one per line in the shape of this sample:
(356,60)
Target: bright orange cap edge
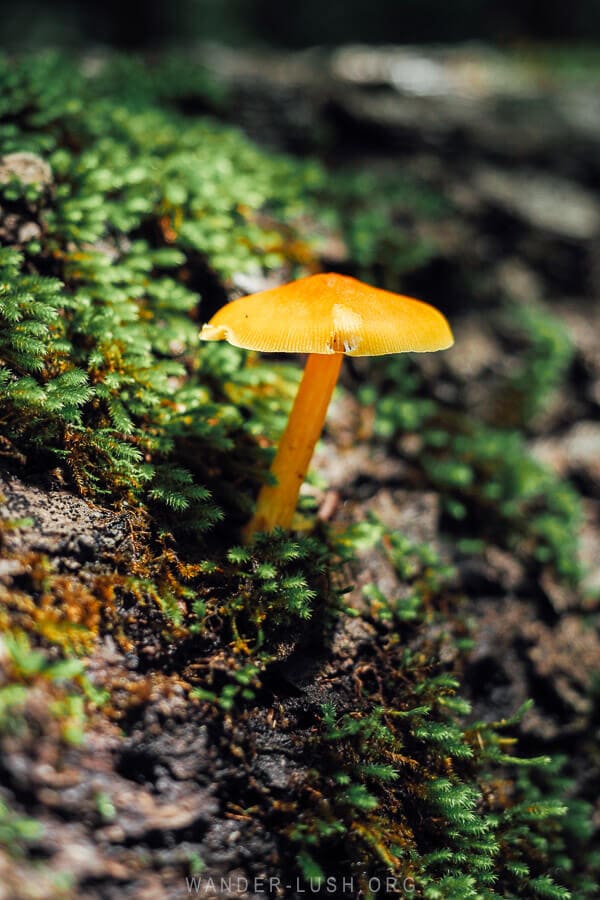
(330,313)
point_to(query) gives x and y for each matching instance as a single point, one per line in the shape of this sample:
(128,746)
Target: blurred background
(311,22)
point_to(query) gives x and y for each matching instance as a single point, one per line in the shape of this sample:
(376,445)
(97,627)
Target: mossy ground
(175,704)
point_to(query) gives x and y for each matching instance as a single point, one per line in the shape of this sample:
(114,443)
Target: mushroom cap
(330,313)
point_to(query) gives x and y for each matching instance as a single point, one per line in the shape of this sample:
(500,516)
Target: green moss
(64,684)
(16,832)
(100,363)
(544,361)
(486,477)
(406,783)
(378,216)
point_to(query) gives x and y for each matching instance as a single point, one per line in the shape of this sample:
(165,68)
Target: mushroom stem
(276,503)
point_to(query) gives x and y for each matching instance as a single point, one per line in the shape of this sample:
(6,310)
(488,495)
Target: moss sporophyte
(326,316)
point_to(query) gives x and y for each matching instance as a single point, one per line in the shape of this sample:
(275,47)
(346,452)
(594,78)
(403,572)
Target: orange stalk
(277,503)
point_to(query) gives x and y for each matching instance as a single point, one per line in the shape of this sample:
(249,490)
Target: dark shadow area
(242,22)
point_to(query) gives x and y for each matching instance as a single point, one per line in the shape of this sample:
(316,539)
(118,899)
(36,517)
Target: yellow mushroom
(326,316)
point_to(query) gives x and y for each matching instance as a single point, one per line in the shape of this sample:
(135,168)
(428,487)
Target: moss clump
(406,783)
(547,354)
(380,218)
(30,677)
(487,478)
(16,831)
(100,362)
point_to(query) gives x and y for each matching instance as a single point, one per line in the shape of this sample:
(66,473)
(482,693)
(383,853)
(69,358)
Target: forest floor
(163,786)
